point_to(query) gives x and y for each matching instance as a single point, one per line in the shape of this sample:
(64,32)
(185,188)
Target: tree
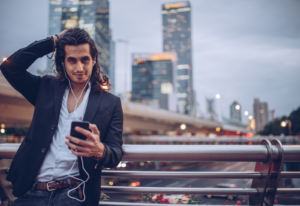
(274,127)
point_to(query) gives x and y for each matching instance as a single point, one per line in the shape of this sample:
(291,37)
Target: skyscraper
(112,66)
(153,75)
(92,15)
(261,114)
(211,109)
(236,111)
(177,37)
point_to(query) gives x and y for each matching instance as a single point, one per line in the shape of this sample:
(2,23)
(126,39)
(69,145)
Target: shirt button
(52,127)
(43,150)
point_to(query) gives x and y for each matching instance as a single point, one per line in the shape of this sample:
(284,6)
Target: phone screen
(74,133)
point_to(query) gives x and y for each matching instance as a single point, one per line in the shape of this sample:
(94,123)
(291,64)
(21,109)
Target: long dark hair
(76,37)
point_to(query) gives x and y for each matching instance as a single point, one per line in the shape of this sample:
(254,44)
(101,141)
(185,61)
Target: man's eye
(71,60)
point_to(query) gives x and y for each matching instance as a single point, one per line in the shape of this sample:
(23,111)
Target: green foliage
(274,127)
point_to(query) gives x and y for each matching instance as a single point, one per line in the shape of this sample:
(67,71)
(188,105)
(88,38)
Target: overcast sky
(241,49)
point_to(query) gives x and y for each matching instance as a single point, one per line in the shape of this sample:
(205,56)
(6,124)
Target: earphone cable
(88,176)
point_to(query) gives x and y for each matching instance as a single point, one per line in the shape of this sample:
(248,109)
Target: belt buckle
(48,186)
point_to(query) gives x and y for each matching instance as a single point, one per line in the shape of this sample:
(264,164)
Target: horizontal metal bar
(290,175)
(174,190)
(174,174)
(151,204)
(131,204)
(287,191)
(191,153)
(291,153)
(143,204)
(195,153)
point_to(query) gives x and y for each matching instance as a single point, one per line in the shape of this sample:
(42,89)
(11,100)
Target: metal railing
(269,157)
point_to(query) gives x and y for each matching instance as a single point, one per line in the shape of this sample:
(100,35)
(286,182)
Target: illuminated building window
(183,9)
(182,102)
(183,77)
(172,20)
(73,9)
(181,95)
(59,9)
(182,35)
(183,66)
(164,71)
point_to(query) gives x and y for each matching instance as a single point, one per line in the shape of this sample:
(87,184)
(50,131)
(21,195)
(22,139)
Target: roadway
(205,182)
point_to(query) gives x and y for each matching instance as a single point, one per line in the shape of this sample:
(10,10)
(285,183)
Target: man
(43,168)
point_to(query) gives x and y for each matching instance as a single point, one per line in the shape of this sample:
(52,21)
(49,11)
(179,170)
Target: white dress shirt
(59,159)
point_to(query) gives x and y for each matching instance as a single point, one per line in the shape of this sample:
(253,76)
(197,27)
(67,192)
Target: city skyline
(239,51)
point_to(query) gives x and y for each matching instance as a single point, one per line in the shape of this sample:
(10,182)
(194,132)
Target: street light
(246,113)
(182,126)
(289,123)
(218,96)
(237,107)
(250,117)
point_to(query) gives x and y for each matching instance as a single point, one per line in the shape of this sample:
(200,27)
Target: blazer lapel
(59,93)
(92,106)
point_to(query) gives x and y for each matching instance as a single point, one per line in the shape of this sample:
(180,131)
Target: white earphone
(88,176)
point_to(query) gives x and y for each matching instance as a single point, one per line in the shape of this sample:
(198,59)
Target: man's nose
(79,66)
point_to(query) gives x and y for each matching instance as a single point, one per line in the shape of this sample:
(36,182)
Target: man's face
(78,63)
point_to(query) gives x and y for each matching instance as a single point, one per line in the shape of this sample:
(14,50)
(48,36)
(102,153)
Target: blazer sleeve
(113,141)
(14,68)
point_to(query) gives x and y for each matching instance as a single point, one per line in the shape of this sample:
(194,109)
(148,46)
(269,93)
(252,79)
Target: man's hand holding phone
(90,147)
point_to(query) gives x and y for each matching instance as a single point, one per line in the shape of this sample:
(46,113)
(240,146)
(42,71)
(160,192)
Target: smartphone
(74,133)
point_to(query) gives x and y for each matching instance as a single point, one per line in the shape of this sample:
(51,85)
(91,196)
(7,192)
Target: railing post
(275,174)
(261,184)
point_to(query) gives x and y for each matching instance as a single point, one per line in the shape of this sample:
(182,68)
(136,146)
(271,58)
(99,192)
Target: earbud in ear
(94,62)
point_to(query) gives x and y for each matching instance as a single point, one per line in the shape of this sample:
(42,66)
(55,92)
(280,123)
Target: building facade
(210,105)
(92,16)
(112,66)
(177,37)
(236,112)
(153,75)
(261,114)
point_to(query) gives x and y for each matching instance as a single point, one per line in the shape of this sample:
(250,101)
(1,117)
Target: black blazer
(45,94)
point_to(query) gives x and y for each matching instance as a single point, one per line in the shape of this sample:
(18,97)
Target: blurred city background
(188,72)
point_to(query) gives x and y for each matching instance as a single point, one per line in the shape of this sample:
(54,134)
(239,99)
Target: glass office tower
(93,16)
(152,75)
(177,38)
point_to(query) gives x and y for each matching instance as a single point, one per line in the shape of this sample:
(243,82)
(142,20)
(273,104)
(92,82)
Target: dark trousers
(59,197)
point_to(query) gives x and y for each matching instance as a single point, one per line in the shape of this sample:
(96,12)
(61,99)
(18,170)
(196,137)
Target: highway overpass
(139,119)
